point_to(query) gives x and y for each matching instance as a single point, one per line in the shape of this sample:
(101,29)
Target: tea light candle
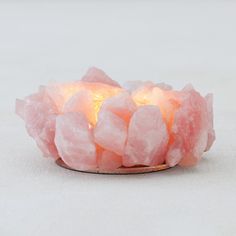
(95,125)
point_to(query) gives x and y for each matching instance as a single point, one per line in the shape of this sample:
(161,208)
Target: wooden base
(121,170)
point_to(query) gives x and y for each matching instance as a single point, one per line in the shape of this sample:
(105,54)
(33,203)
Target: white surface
(174,42)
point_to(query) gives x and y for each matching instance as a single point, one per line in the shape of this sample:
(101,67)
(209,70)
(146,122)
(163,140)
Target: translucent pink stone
(167,101)
(189,130)
(96,75)
(45,139)
(20,108)
(164,86)
(74,141)
(135,85)
(121,105)
(39,112)
(109,161)
(60,93)
(82,102)
(211,131)
(111,132)
(147,138)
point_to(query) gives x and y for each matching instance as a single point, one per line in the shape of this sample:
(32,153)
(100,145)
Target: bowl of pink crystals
(96,125)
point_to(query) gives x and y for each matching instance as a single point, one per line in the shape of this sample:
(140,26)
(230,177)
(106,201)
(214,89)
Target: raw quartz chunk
(190,130)
(121,105)
(60,93)
(82,102)
(95,75)
(164,86)
(134,85)
(211,131)
(45,139)
(39,113)
(110,132)
(20,108)
(147,138)
(109,161)
(74,141)
(166,100)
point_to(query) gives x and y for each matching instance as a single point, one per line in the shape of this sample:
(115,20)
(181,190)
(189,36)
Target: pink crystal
(61,93)
(20,108)
(45,139)
(111,132)
(147,138)
(74,141)
(189,130)
(164,86)
(96,75)
(82,102)
(109,161)
(211,131)
(39,112)
(121,105)
(135,85)
(167,101)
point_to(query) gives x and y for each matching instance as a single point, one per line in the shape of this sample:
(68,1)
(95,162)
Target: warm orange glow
(142,96)
(167,101)
(98,99)
(99,93)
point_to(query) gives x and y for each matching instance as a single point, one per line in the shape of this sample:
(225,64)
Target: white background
(175,42)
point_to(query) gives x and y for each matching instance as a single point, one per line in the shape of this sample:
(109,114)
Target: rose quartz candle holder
(95,125)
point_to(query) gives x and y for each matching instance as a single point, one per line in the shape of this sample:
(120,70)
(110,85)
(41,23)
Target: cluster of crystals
(95,123)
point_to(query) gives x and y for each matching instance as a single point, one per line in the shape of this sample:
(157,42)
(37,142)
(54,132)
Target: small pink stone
(134,85)
(164,86)
(74,141)
(110,132)
(37,108)
(61,93)
(167,101)
(39,111)
(20,108)
(121,105)
(174,156)
(189,130)
(109,161)
(98,76)
(147,138)
(43,97)
(82,102)
(45,139)
(211,131)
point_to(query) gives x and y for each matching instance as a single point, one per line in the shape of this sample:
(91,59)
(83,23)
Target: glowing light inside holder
(95,125)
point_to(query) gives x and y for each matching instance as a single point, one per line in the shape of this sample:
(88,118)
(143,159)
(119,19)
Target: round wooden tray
(121,170)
